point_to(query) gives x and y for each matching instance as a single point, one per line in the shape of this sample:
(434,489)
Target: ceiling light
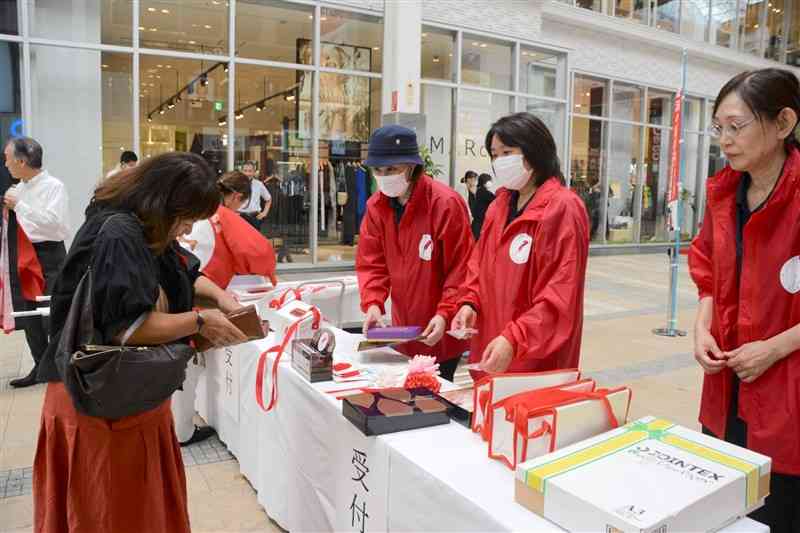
(142,28)
(311,17)
(424,34)
(239,115)
(168,66)
(225,68)
(451,55)
(435,59)
(222,122)
(161,111)
(484,45)
(289,98)
(578,105)
(588,94)
(204,80)
(215,2)
(376,48)
(160,66)
(153,29)
(151,9)
(475,43)
(192,42)
(260,107)
(149,118)
(207,26)
(171,104)
(755,26)
(323,19)
(178,99)
(104,65)
(165,11)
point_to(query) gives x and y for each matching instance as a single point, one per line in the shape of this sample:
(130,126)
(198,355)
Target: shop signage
(675,162)
(218,105)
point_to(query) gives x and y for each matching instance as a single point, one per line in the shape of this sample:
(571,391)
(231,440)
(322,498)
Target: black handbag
(114,381)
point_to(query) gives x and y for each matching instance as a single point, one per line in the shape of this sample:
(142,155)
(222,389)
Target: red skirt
(98,475)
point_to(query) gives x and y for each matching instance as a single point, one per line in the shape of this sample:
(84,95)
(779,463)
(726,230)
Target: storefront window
(694,19)
(692,114)
(539,73)
(723,22)
(9,21)
(100,21)
(486,63)
(477,111)
(437,106)
(627,102)
(587,179)
(751,31)
(655,185)
(10,101)
(793,44)
(624,162)
(659,107)
(438,47)
(267,134)
(635,10)
(89,93)
(351,41)
(199,26)
(666,14)
(184,108)
(776,39)
(692,149)
(274,30)
(552,114)
(590,96)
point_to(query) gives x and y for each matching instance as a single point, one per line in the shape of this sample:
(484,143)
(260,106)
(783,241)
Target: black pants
(447,369)
(51,256)
(252,219)
(781,511)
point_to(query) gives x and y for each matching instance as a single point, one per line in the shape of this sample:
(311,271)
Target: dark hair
(766,93)
(470,174)
(483,179)
(529,133)
(128,157)
(251,163)
(28,150)
(162,190)
(233,182)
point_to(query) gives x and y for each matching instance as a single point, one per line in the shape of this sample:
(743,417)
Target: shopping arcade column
(402,65)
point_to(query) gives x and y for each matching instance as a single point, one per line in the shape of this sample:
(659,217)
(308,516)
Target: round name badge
(790,275)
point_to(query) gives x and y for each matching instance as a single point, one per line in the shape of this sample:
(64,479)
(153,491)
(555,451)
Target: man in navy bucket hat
(414,243)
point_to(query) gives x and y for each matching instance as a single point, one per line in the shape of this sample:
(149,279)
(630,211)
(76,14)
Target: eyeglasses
(733,130)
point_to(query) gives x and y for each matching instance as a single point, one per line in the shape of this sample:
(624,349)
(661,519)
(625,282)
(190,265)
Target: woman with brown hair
(746,265)
(126,475)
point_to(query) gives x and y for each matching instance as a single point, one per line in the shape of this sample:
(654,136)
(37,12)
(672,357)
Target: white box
(650,476)
(280,320)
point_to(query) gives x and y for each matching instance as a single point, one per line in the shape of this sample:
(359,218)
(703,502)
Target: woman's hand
(751,360)
(465,318)
(373,319)
(707,352)
(219,330)
(227,303)
(435,330)
(497,356)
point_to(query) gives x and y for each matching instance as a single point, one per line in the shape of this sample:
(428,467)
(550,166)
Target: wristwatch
(200,321)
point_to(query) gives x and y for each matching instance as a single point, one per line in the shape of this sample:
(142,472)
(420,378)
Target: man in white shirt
(39,205)
(252,211)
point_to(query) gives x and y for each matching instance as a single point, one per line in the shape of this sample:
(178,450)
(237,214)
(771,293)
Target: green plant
(431,168)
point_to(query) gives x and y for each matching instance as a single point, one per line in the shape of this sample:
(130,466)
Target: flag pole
(674,220)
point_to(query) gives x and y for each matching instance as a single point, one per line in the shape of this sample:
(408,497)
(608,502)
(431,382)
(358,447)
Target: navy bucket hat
(393,145)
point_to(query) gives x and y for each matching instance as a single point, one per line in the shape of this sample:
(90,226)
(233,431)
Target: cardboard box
(650,476)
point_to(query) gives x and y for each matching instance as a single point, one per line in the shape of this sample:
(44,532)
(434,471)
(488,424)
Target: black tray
(372,421)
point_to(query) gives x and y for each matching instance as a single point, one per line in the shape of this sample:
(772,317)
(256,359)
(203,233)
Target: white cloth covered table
(304,458)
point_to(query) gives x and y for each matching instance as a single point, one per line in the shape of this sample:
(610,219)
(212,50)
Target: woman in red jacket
(524,286)
(746,264)
(413,241)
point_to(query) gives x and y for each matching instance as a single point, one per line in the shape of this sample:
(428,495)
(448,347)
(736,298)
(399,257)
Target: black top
(126,277)
(399,209)
(483,198)
(513,212)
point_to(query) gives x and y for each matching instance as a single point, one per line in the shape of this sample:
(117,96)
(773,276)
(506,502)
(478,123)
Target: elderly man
(38,225)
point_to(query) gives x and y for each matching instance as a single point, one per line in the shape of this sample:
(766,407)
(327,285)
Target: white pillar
(402,59)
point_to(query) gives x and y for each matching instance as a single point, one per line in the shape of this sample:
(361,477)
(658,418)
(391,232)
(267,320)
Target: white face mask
(393,185)
(510,172)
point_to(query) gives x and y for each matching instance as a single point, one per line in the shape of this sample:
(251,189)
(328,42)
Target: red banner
(675,152)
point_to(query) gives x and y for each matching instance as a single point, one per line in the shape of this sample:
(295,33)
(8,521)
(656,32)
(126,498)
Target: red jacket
(766,303)
(421,262)
(238,249)
(526,280)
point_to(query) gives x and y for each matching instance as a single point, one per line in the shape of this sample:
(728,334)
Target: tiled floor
(626,298)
